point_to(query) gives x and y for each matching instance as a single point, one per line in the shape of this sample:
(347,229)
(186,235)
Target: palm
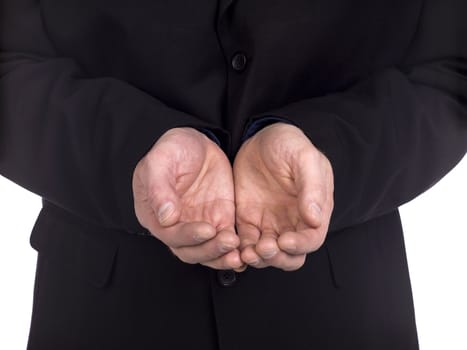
(269,203)
(205,189)
(183,191)
(283,195)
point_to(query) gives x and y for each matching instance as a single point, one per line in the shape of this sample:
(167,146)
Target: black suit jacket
(88,86)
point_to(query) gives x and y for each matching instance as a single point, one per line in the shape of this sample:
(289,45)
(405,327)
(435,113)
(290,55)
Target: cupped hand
(284,197)
(184,195)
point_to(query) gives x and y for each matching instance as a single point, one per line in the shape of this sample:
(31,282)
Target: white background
(435,226)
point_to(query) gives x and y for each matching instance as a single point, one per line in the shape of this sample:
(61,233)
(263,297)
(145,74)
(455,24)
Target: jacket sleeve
(72,140)
(395,133)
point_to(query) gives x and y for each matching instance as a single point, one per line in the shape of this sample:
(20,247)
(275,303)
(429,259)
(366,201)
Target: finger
(242,268)
(286,261)
(148,201)
(165,205)
(302,242)
(267,246)
(161,194)
(168,212)
(250,257)
(223,243)
(248,234)
(229,261)
(281,260)
(186,234)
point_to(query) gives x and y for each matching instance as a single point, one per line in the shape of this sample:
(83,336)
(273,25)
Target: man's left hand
(284,197)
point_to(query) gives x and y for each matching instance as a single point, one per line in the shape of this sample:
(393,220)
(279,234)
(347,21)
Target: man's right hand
(184,195)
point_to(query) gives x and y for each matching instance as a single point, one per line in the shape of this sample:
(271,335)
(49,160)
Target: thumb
(163,198)
(312,193)
(310,211)
(167,212)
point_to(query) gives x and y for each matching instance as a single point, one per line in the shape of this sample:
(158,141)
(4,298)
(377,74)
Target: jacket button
(239,61)
(226,278)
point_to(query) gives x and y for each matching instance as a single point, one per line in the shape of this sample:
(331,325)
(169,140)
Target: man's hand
(184,195)
(284,197)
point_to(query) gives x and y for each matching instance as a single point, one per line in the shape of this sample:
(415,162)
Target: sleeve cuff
(211,135)
(256,125)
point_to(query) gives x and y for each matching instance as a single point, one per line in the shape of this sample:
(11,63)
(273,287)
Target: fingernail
(269,254)
(224,248)
(254,262)
(316,210)
(199,238)
(165,211)
(241,268)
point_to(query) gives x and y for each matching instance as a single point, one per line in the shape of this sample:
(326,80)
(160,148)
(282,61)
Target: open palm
(184,196)
(283,190)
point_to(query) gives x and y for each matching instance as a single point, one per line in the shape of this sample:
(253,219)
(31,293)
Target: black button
(226,278)
(239,61)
